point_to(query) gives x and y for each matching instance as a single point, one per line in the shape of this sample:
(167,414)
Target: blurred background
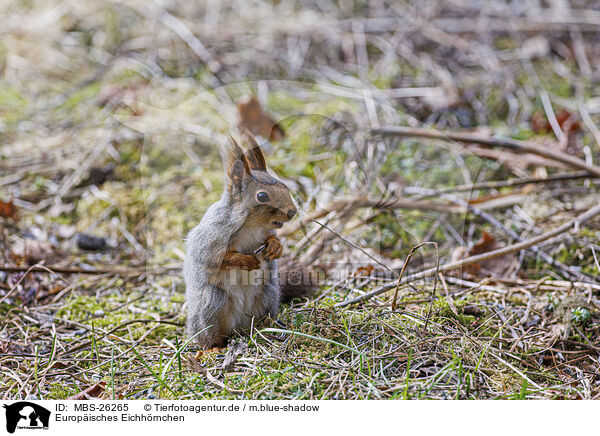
(88,87)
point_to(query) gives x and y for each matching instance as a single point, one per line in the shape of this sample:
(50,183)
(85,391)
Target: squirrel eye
(262,197)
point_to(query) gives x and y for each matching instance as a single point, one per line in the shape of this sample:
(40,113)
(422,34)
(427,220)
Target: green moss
(73,104)
(442,309)
(505,43)
(12,106)
(580,315)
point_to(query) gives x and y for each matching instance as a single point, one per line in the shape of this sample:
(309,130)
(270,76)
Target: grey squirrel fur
(222,300)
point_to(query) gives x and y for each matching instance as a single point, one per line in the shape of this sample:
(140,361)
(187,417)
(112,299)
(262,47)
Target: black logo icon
(26,415)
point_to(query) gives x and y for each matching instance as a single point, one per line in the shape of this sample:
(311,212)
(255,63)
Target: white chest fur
(243,287)
(248,240)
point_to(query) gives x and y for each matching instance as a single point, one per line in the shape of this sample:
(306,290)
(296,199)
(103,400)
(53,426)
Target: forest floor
(474,129)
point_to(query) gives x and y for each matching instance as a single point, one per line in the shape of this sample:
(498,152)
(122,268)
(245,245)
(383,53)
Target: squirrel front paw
(239,260)
(273,249)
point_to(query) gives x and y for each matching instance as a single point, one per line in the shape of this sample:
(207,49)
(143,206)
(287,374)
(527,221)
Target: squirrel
(230,269)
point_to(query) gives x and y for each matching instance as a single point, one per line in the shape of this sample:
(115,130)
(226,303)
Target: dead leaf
(364,270)
(91,392)
(566,121)
(254,119)
(8,209)
(569,125)
(499,267)
(485,244)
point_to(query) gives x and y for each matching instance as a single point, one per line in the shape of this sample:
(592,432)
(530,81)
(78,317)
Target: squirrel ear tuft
(255,155)
(237,166)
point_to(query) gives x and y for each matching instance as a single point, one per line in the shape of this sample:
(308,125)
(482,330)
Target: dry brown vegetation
(471,128)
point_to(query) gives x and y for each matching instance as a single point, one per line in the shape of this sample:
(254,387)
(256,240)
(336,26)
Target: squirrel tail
(296,280)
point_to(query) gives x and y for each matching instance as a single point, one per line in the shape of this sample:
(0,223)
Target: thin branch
(352,244)
(509,249)
(410,254)
(501,184)
(512,144)
(61,270)
(388,203)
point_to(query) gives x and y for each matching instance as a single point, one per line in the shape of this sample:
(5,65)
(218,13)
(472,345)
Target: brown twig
(61,270)
(437,265)
(512,144)
(503,184)
(509,249)
(410,254)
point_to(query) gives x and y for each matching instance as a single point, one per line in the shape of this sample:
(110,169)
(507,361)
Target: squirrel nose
(291,213)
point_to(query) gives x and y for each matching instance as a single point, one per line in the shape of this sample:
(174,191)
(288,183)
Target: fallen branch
(499,184)
(94,271)
(509,249)
(512,144)
(570,272)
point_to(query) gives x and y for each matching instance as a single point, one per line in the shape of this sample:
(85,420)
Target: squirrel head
(267,199)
